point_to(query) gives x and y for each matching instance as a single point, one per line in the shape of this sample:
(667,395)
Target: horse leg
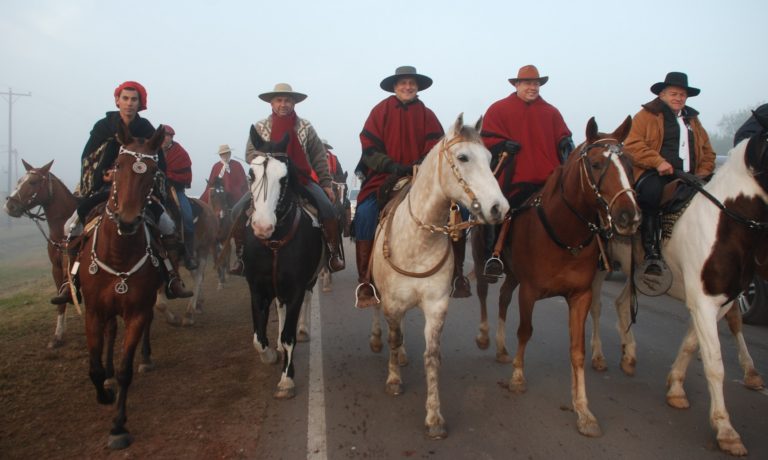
(433,328)
(595,310)
(705,322)
(302,331)
(578,307)
(119,437)
(162,306)
(146,364)
(280,309)
(286,388)
(481,340)
(752,379)
(375,340)
(94,332)
(260,315)
(61,327)
(505,298)
(526,300)
(325,276)
(623,323)
(394,385)
(110,332)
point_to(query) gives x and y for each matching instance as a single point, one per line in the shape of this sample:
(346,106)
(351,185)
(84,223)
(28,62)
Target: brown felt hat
(528,72)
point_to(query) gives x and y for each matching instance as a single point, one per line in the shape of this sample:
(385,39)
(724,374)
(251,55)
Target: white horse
(413,266)
(710,255)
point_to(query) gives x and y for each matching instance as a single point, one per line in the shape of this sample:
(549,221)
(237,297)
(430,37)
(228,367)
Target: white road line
(317,447)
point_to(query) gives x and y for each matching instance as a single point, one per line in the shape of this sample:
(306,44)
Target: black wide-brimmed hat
(678,79)
(388,84)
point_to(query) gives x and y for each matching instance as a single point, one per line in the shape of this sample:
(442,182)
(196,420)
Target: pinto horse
(119,272)
(712,253)
(413,266)
(40,187)
(552,247)
(283,254)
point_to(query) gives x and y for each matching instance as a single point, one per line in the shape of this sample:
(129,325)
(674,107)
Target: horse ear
(763,120)
(27,166)
(459,123)
(591,130)
(124,134)
(157,139)
(622,131)
(47,167)
(256,140)
(479,124)
(282,146)
(345,175)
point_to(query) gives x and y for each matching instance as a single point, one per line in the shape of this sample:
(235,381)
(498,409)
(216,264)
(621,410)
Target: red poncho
(537,126)
(235,181)
(404,132)
(178,166)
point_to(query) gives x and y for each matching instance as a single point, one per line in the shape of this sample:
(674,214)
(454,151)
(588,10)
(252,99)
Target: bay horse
(413,267)
(218,199)
(206,233)
(552,248)
(283,254)
(119,272)
(712,253)
(40,187)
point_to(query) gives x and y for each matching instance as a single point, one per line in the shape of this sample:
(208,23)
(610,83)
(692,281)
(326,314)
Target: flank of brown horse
(39,187)
(552,249)
(119,273)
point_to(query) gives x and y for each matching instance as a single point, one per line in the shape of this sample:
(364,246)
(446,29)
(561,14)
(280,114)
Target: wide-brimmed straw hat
(326,144)
(678,79)
(282,89)
(528,72)
(224,148)
(423,81)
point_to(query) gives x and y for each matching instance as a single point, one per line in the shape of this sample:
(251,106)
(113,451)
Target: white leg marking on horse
(317,448)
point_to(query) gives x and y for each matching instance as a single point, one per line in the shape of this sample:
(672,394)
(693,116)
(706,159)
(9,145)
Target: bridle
(587,180)
(138,167)
(39,214)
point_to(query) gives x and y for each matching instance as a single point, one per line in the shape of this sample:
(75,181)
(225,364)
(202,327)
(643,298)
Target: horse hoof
(590,428)
(402,359)
(105,397)
(436,432)
(284,393)
(269,356)
(146,367)
(327,289)
(732,446)
(503,358)
(394,389)
(119,441)
(54,344)
(599,364)
(302,336)
(482,341)
(376,345)
(678,402)
(173,321)
(754,382)
(110,384)
(628,368)
(517,387)
(188,322)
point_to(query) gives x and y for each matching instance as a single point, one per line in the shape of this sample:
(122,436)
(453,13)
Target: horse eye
(462,157)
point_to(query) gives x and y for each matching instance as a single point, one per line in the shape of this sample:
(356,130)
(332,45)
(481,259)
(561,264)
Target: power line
(10,100)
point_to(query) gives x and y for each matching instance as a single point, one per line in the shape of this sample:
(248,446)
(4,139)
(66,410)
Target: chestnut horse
(283,254)
(218,199)
(413,266)
(119,272)
(712,252)
(552,248)
(40,187)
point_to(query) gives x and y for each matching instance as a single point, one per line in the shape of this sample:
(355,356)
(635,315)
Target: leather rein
(39,214)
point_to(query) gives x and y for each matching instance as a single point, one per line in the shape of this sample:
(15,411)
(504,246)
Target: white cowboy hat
(282,89)
(224,148)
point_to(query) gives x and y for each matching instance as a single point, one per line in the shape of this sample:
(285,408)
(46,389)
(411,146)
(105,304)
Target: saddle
(675,198)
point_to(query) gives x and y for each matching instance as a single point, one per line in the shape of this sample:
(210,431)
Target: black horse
(283,253)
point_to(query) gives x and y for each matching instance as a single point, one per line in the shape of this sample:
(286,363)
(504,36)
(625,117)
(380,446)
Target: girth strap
(275,245)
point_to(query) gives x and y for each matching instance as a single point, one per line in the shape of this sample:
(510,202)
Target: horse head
(756,155)
(133,178)
(270,179)
(33,189)
(471,182)
(607,171)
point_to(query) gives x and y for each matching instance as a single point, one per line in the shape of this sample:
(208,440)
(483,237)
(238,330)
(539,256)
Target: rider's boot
(649,233)
(364,294)
(174,286)
(238,236)
(460,287)
(71,249)
(190,258)
(332,236)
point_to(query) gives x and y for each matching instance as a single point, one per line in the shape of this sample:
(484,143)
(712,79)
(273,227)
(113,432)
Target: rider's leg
(187,221)
(460,287)
(366,216)
(174,287)
(330,225)
(239,220)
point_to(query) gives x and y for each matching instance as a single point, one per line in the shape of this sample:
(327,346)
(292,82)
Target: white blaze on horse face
(474,164)
(265,193)
(626,184)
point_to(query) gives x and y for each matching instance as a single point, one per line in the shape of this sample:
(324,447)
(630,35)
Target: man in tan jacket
(666,136)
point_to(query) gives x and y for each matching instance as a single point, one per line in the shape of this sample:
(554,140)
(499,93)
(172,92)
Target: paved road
(343,412)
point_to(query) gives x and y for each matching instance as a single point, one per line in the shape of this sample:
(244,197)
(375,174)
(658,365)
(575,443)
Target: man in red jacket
(530,138)
(179,177)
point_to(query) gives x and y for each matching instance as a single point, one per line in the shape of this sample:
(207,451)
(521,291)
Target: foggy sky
(205,63)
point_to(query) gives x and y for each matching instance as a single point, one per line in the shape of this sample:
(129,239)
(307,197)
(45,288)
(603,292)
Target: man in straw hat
(307,153)
(666,135)
(528,139)
(235,183)
(398,133)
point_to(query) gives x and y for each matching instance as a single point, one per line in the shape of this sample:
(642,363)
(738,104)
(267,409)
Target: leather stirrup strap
(499,246)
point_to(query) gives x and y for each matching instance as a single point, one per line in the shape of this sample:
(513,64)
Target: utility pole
(10,100)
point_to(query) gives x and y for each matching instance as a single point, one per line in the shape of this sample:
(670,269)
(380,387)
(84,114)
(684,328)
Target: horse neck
(122,250)
(733,179)
(59,208)
(565,192)
(427,200)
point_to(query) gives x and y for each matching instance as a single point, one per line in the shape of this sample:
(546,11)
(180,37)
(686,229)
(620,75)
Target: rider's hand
(665,169)
(329,191)
(511,147)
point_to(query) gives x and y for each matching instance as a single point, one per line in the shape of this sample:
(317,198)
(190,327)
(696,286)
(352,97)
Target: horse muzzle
(128,228)
(13,207)
(495,214)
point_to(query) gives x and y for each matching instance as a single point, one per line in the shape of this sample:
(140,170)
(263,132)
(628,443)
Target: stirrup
(64,295)
(494,268)
(368,303)
(460,287)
